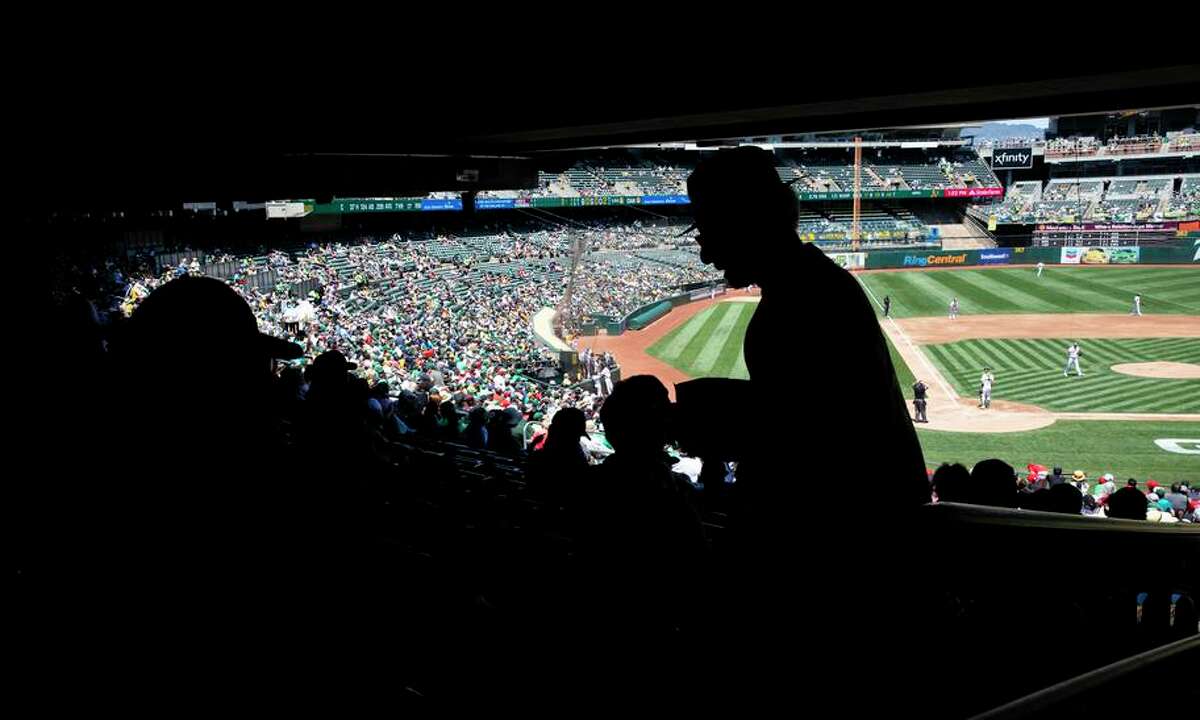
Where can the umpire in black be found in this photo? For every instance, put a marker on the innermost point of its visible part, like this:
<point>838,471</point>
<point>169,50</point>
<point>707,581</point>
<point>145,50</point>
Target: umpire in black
<point>919,399</point>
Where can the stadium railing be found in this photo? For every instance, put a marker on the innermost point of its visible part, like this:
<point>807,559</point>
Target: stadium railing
<point>1105,692</point>
<point>1040,598</point>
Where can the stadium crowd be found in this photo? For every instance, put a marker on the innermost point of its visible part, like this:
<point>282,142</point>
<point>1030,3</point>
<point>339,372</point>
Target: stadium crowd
<point>448,319</point>
<point>996,483</point>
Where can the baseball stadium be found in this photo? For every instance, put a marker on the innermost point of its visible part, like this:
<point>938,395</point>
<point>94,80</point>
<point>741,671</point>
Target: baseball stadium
<point>524,404</point>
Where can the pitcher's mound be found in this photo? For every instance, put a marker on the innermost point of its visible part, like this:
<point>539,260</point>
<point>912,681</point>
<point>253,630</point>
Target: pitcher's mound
<point>1169,370</point>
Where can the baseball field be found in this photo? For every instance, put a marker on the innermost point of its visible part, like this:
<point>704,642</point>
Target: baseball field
<point>1135,411</point>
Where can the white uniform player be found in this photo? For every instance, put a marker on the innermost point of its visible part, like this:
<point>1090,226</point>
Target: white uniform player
<point>1137,306</point>
<point>986,380</point>
<point>953,308</point>
<point>1041,266</point>
<point>1073,354</point>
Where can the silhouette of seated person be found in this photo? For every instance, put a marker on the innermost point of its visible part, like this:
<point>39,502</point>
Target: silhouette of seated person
<point>1065,499</point>
<point>641,538</point>
<point>814,335</point>
<point>334,439</point>
<point>993,483</point>
<point>202,525</point>
<point>447,425</point>
<point>289,392</point>
<point>501,432</point>
<point>1128,503</point>
<point>556,471</point>
<point>476,434</point>
<point>952,483</point>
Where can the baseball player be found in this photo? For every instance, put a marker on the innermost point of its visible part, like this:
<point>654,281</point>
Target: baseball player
<point>1137,306</point>
<point>953,308</point>
<point>986,380</point>
<point>1073,355</point>
<point>919,399</point>
<point>887,305</point>
<point>1040,267</point>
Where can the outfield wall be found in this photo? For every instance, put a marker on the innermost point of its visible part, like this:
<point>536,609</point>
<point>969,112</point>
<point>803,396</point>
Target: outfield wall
<point>1182,253</point>
<point>648,313</point>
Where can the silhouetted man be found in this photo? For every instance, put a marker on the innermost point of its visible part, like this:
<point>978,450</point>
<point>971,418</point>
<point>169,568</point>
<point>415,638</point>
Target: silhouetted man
<point>746,220</point>
<point>816,337</point>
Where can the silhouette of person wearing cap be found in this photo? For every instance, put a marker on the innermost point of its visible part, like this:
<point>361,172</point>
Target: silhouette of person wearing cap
<point>191,508</point>
<point>814,336</point>
<point>746,219</point>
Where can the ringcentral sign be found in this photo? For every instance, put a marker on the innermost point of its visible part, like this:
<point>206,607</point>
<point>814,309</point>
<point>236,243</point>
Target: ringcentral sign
<point>927,260</point>
<point>1012,159</point>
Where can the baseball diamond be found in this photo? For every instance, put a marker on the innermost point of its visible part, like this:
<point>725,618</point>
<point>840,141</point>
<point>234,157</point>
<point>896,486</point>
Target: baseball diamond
<point>1020,326</point>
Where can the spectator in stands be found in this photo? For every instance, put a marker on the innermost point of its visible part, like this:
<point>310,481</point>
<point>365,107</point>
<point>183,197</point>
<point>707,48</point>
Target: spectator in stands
<point>1056,477</point>
<point>642,534</point>
<point>1178,500</point>
<point>502,425</point>
<point>448,421</point>
<point>556,470</point>
<point>476,434</point>
<point>206,493</point>
<point>993,483</point>
<point>1065,499</point>
<point>1127,504</point>
<point>952,483</point>
<point>1160,500</point>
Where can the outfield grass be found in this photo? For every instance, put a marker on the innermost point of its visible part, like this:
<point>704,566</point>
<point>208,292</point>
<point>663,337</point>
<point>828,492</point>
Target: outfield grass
<point>1125,449</point>
<point>709,344</point>
<point>1030,371</point>
<point>921,293</point>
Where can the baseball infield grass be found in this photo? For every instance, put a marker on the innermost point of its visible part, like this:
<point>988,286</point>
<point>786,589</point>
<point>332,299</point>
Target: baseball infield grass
<point>922,293</point>
<point>1030,371</point>
<point>1126,449</point>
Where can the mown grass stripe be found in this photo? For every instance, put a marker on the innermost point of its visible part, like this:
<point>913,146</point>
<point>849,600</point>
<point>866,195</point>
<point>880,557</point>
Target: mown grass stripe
<point>733,347</point>
<point>719,337</point>
<point>670,348</point>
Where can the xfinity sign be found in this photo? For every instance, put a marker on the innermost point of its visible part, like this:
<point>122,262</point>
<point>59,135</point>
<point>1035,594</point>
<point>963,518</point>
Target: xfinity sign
<point>1012,159</point>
